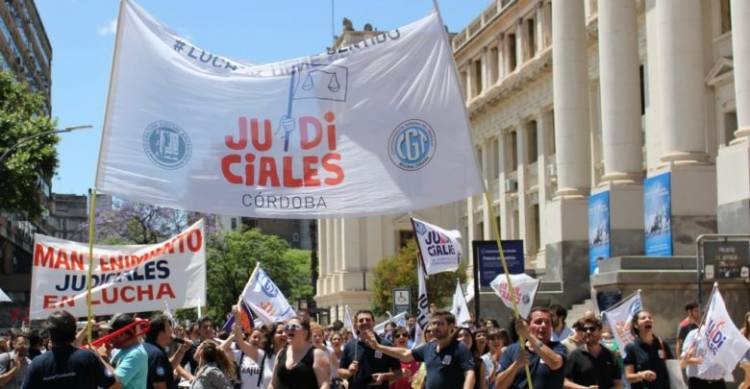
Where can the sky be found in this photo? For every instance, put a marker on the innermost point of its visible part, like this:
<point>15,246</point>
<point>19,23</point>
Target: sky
<point>82,34</point>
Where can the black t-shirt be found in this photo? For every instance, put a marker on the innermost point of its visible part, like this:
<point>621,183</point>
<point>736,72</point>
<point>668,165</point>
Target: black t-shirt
<point>684,330</point>
<point>67,367</point>
<point>445,368</point>
<point>159,368</point>
<point>649,357</point>
<point>541,375</point>
<point>370,361</point>
<point>583,368</point>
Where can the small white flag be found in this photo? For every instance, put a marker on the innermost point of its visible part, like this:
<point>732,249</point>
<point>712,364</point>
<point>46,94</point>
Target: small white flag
<point>263,296</point>
<point>440,248</point>
<point>619,319</point>
<point>399,320</point>
<point>349,323</point>
<point>423,313</point>
<point>460,309</point>
<point>524,288</point>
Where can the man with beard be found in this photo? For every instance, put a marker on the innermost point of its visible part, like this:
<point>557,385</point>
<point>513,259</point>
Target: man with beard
<point>364,367</point>
<point>645,357</point>
<point>592,365</point>
<point>545,357</point>
<point>448,362</point>
<point>13,364</point>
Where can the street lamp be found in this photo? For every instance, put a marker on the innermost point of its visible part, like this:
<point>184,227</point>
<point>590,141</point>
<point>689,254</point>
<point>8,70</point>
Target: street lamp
<point>30,137</point>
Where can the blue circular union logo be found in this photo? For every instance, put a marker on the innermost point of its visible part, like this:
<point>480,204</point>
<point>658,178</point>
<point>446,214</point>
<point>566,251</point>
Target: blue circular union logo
<point>269,289</point>
<point>167,145</point>
<point>412,144</point>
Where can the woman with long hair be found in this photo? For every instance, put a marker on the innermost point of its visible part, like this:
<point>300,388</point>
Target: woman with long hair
<point>408,370</point>
<point>467,337</point>
<point>318,341</point>
<point>274,341</point>
<point>498,340</point>
<point>645,357</point>
<point>299,364</point>
<point>214,368</point>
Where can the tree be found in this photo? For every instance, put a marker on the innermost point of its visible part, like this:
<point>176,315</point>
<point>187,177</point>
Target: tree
<point>22,114</point>
<point>400,271</point>
<point>232,257</point>
<point>135,223</point>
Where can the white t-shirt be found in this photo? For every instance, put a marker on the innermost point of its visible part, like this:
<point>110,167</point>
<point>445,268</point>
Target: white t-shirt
<point>250,371</point>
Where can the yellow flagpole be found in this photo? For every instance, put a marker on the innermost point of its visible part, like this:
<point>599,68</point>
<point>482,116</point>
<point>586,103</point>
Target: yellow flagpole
<point>89,283</point>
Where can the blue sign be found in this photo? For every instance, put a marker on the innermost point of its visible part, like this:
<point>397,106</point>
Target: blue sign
<point>605,300</point>
<point>657,209</point>
<point>488,259</point>
<point>599,230</point>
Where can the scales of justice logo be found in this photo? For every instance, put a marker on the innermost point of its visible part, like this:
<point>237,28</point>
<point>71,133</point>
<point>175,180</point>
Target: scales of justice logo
<point>167,145</point>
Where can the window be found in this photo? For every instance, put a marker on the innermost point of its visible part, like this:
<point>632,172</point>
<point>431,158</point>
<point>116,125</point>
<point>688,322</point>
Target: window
<point>516,224</point>
<point>642,76</point>
<point>531,146</point>
<point>478,82</point>
<point>551,135</point>
<point>480,158</point>
<point>537,230</point>
<point>726,16</point>
<point>512,151</point>
<point>730,126</point>
<point>492,63</point>
<point>531,37</point>
<point>404,236</point>
<point>234,224</point>
<point>479,232</point>
<point>511,38</point>
<point>496,157</point>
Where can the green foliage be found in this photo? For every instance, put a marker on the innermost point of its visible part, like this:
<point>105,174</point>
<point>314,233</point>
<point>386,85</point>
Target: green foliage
<point>232,256</point>
<point>401,272</point>
<point>22,114</point>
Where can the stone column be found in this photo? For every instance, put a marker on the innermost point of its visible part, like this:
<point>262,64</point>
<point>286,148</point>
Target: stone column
<point>680,66</point>
<point>741,54</point>
<point>620,94</point>
<point>733,162</point>
<point>500,57</point>
<point>322,255</point>
<point>485,62</point>
<point>570,89</point>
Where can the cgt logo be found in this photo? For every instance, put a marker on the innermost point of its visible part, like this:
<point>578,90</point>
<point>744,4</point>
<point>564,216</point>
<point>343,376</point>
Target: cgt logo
<point>167,145</point>
<point>412,145</point>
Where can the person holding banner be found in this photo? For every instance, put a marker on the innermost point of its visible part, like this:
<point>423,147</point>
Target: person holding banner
<point>545,357</point>
<point>129,359</point>
<point>300,365</point>
<point>691,357</point>
<point>64,366</point>
<point>448,362</point>
<point>645,365</point>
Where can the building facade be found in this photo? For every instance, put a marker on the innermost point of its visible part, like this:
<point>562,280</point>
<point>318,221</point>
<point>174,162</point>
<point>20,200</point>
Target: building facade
<point>572,99</point>
<point>25,51</point>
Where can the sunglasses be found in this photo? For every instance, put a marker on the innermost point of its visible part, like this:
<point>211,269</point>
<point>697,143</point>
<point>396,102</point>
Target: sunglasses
<point>402,335</point>
<point>589,329</point>
<point>292,327</point>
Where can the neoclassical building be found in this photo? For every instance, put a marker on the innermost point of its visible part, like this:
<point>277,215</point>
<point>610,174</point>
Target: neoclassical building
<point>574,98</point>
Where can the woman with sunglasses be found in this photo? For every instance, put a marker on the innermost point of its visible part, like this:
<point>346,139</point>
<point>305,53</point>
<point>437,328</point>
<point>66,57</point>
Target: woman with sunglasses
<point>300,365</point>
<point>408,370</point>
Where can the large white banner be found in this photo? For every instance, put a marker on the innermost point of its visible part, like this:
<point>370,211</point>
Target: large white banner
<point>377,127</point>
<point>131,278</point>
<point>265,298</point>
<point>440,249</point>
<point>619,319</point>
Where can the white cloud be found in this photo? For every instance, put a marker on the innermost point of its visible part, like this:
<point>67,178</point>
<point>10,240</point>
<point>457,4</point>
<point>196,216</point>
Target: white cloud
<point>108,29</point>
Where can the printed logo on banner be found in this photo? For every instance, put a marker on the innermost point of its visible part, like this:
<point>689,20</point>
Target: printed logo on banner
<point>269,288</point>
<point>167,145</point>
<point>412,145</point>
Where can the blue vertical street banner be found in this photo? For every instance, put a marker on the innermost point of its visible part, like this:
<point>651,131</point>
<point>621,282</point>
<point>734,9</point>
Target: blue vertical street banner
<point>487,257</point>
<point>599,230</point>
<point>657,209</point>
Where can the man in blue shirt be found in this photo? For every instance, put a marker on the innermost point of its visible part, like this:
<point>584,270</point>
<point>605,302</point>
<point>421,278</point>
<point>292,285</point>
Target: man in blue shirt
<point>449,363</point>
<point>129,359</point>
<point>545,357</point>
<point>65,366</point>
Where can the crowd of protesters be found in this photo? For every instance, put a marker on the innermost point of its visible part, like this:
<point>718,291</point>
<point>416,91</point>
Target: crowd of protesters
<point>300,354</point>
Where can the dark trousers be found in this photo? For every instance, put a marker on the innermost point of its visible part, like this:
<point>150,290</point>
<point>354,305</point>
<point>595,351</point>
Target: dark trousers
<point>697,383</point>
